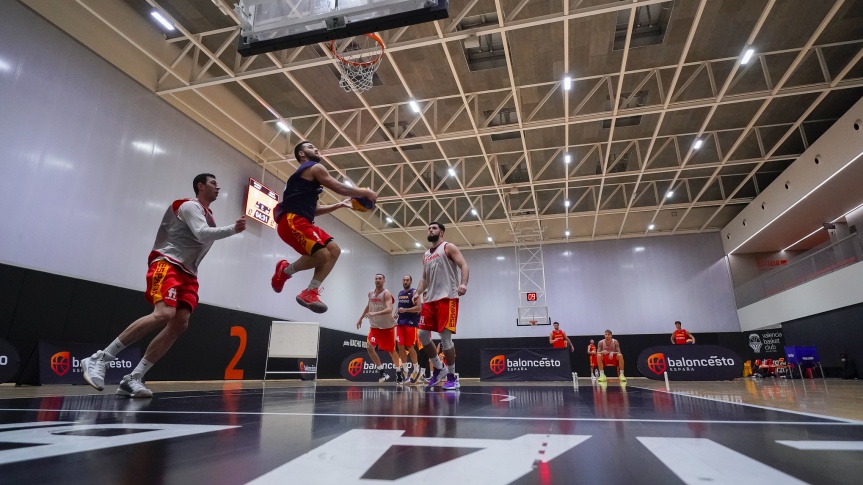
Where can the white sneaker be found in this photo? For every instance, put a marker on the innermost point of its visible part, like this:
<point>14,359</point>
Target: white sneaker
<point>94,370</point>
<point>131,386</point>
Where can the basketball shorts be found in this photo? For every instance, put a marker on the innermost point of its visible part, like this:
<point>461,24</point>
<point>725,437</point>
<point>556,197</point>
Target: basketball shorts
<point>383,338</point>
<point>302,235</point>
<point>439,315</point>
<point>593,361</point>
<point>406,335</point>
<point>168,283</point>
<point>609,359</point>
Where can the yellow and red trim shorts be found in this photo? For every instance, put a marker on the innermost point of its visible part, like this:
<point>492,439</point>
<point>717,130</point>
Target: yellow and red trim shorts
<point>168,283</point>
<point>302,235</point>
<point>439,315</point>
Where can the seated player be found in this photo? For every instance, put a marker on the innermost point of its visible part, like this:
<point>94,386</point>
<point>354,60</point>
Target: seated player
<point>609,349</point>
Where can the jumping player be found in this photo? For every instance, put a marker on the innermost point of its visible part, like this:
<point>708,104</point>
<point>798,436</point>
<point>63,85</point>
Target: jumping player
<point>408,317</point>
<point>558,338</point>
<point>185,235</point>
<point>609,348</point>
<point>681,336</point>
<point>295,217</point>
<point>379,311</point>
<point>441,266</point>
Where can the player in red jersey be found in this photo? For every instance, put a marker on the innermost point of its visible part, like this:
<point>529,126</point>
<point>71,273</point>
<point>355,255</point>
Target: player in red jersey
<point>558,338</point>
<point>591,351</point>
<point>681,336</point>
<point>609,349</point>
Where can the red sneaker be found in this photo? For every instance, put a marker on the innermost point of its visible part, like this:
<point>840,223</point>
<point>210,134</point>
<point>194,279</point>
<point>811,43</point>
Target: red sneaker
<point>279,277</point>
<point>309,299</point>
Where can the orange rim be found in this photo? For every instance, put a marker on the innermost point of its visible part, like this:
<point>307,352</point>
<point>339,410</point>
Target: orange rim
<point>367,63</point>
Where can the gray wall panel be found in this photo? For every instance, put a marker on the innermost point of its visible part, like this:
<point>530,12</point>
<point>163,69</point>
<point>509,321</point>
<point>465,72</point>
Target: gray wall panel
<point>90,160</point>
<point>632,286</point>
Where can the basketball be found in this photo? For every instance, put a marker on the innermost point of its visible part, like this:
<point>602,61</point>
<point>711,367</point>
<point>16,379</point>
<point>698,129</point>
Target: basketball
<point>362,204</point>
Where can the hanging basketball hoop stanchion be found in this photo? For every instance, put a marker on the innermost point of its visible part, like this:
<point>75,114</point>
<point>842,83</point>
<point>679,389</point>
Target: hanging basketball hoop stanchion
<point>358,62</point>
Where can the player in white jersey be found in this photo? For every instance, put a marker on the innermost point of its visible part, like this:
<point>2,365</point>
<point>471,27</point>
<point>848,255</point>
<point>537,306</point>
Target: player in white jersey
<point>185,235</point>
<point>443,285</point>
<point>379,311</point>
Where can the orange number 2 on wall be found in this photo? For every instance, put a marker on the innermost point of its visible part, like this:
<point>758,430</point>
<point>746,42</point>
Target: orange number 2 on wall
<point>231,372</point>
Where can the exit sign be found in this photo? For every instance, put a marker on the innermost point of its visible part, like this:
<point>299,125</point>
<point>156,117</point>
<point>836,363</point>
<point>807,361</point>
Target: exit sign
<point>531,297</point>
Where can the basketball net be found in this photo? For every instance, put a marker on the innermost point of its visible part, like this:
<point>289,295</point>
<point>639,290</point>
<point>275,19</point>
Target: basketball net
<point>358,62</point>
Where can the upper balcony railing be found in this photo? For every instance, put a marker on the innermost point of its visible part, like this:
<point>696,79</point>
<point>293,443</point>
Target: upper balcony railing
<point>843,253</point>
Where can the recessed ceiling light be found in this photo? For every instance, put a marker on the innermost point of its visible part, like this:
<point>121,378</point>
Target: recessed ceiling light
<point>473,211</point>
<point>451,172</point>
<point>282,126</point>
<point>698,143</point>
<point>418,245</point>
<point>490,239</point>
<point>567,83</point>
<point>162,20</point>
<point>638,249</point>
<point>747,55</point>
<point>650,227</point>
<point>566,203</point>
<point>669,194</point>
<point>414,106</point>
<point>566,233</point>
<point>389,220</point>
<point>567,158</point>
<point>500,258</point>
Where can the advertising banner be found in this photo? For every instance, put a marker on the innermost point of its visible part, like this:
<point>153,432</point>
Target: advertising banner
<point>358,367</point>
<point>9,361</point>
<point>525,365</point>
<point>60,362</point>
<point>766,344</point>
<point>690,363</point>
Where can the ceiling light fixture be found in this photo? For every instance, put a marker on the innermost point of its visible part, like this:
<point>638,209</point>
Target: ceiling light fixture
<point>566,233</point>
<point>567,83</point>
<point>567,158</point>
<point>451,172</point>
<point>348,183</point>
<point>669,194</point>
<point>816,230</point>
<point>473,211</point>
<point>799,201</point>
<point>566,203</point>
<point>414,106</point>
<point>697,144</point>
<point>747,55</point>
<point>162,20</point>
<point>389,220</point>
<point>418,245</point>
<point>650,227</point>
<point>490,239</point>
<point>282,126</point>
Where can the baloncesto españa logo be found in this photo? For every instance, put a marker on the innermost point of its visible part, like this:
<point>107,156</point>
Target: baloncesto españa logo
<point>656,363</point>
<point>499,363</point>
<point>62,362</point>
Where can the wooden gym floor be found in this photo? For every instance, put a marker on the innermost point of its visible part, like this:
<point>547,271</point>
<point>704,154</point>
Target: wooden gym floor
<point>746,431</point>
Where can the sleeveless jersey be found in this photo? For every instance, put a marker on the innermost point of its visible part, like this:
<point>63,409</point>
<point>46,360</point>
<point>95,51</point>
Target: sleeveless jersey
<point>614,347</point>
<point>591,348</point>
<point>377,304</point>
<point>406,300</point>
<point>440,274</point>
<point>301,195</point>
<point>558,344</point>
<point>679,337</point>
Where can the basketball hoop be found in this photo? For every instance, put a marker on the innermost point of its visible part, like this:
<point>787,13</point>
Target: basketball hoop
<point>358,62</point>
<point>533,322</point>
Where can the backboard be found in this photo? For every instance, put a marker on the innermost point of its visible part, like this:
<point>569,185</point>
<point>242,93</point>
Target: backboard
<point>270,25</point>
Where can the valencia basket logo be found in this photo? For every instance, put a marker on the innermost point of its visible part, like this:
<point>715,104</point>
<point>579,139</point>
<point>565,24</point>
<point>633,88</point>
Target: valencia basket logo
<point>656,363</point>
<point>497,364</point>
<point>60,363</point>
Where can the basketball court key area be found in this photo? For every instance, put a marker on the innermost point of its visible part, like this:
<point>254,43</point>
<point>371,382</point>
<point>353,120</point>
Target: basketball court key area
<point>237,433</point>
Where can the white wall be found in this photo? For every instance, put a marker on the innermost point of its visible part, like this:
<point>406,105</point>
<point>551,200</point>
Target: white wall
<point>592,286</point>
<point>90,160</point>
<point>829,292</point>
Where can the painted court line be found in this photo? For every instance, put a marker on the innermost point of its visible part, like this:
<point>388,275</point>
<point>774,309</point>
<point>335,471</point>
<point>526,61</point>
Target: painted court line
<point>426,416</point>
<point>823,445</point>
<point>758,406</point>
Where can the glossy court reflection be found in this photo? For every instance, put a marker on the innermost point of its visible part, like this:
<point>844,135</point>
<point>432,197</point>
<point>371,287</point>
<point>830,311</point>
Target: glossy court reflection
<point>382,434</point>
